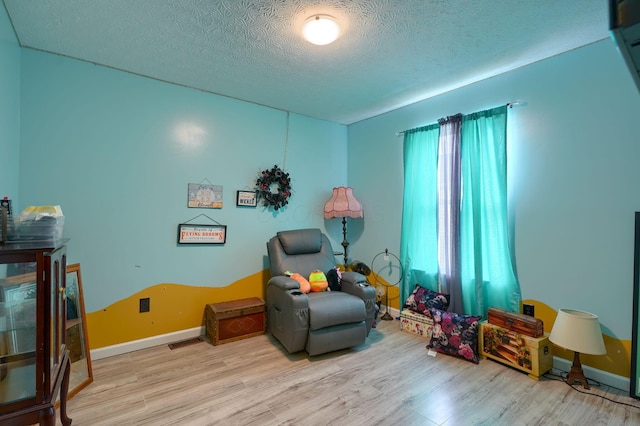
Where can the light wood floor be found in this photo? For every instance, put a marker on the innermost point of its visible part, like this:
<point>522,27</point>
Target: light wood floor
<point>390,380</point>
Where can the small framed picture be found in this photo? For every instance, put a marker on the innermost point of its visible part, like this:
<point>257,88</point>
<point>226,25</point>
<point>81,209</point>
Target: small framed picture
<point>201,234</point>
<point>205,196</point>
<point>246,199</point>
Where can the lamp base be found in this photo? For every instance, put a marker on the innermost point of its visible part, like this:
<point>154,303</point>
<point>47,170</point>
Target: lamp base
<point>386,317</point>
<point>576,374</point>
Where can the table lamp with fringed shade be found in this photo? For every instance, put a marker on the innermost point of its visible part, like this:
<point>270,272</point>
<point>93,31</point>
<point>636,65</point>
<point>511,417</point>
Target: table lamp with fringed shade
<point>578,331</point>
<point>343,204</point>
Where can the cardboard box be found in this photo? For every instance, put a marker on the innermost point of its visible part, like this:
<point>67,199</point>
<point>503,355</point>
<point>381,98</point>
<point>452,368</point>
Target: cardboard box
<point>416,323</point>
<point>238,319</point>
<point>529,354</point>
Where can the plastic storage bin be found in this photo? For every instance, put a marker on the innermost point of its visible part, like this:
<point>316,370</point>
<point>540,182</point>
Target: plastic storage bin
<point>45,228</point>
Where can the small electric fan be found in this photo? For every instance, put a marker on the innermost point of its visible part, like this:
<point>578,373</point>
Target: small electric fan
<point>386,262</point>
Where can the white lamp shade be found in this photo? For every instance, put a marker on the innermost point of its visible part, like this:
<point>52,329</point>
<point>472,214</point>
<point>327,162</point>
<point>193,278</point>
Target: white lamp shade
<point>321,30</point>
<point>578,331</point>
<point>342,204</point>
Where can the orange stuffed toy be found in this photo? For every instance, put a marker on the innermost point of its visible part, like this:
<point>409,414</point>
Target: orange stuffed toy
<point>305,287</point>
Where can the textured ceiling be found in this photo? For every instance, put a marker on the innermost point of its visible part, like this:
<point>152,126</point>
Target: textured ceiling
<point>391,52</point>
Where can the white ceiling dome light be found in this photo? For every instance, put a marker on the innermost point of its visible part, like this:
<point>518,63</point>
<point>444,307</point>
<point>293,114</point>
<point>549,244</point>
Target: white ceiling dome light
<point>321,29</point>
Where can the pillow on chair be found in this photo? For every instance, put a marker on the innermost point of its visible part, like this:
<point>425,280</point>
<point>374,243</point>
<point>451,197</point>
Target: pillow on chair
<point>334,278</point>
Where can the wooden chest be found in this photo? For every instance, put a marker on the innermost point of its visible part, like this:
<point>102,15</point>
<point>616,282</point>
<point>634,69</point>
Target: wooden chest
<point>238,319</point>
<point>523,324</point>
<point>416,323</point>
<point>529,354</point>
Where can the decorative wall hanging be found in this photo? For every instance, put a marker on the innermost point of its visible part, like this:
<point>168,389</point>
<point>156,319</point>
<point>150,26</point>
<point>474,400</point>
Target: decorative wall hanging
<point>191,233</point>
<point>274,187</point>
<point>205,195</point>
<point>246,199</point>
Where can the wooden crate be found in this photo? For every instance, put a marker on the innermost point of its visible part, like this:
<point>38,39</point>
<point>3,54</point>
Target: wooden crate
<point>529,354</point>
<point>238,319</point>
<point>523,324</point>
<point>416,323</point>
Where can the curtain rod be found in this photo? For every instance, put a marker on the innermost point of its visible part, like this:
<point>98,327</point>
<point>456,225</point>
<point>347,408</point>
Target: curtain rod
<point>509,104</point>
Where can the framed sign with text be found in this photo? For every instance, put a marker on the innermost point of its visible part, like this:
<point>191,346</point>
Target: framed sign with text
<point>246,199</point>
<point>201,234</point>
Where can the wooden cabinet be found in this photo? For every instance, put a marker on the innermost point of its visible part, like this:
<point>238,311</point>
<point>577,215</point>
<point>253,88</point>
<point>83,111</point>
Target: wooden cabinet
<point>34,362</point>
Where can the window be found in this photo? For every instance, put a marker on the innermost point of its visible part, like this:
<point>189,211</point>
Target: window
<point>466,235</point>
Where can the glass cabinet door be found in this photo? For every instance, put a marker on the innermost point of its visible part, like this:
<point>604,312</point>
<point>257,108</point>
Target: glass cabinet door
<point>18,316</point>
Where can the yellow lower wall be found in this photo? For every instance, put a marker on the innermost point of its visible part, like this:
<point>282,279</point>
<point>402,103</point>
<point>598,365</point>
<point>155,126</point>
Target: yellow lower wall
<point>176,307</point>
<point>173,307</point>
<point>387,293</point>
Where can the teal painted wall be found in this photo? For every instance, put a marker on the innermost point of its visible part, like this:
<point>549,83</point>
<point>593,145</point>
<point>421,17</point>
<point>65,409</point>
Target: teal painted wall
<point>116,151</point>
<point>9,108</point>
<point>573,174</point>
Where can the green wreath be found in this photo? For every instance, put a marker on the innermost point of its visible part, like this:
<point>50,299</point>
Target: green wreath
<point>266,180</point>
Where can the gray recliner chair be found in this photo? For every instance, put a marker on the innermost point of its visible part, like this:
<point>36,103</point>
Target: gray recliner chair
<point>317,322</point>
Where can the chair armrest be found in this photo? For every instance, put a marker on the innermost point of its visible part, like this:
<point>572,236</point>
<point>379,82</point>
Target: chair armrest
<point>287,312</point>
<point>284,282</point>
<point>353,277</point>
<point>356,284</point>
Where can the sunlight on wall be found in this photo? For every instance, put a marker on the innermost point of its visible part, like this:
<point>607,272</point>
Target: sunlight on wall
<point>189,135</point>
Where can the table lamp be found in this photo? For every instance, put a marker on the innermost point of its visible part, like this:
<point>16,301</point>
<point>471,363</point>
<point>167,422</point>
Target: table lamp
<point>578,331</point>
<point>343,204</point>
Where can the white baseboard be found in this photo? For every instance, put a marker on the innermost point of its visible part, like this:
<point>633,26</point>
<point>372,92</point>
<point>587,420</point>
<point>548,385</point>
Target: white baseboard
<point>164,339</point>
<point>604,377</point>
<point>148,342</point>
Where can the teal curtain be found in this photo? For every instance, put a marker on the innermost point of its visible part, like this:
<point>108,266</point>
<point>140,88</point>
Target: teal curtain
<point>484,273</point>
<point>419,240</point>
<point>487,273</point>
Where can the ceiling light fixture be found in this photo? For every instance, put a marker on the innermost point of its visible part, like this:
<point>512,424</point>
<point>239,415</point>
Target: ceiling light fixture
<point>321,29</point>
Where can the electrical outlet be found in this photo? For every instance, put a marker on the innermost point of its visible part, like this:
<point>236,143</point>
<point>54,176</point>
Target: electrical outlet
<point>528,310</point>
<point>144,305</point>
